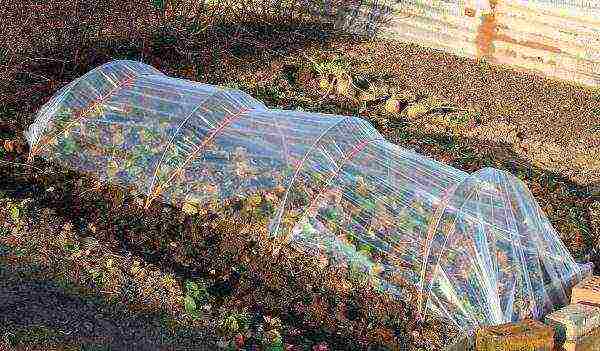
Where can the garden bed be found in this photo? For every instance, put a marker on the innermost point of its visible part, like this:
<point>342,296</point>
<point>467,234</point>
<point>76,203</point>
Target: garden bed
<point>219,250</point>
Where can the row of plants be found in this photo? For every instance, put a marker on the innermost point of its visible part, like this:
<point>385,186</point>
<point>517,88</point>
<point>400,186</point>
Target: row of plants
<point>357,207</point>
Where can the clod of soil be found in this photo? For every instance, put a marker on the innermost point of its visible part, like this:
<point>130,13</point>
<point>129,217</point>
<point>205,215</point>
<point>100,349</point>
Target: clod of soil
<point>325,84</point>
<point>393,105</point>
<point>344,87</point>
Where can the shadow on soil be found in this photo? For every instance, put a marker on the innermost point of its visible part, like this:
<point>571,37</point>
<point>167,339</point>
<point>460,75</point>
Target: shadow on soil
<point>44,302</point>
<point>42,312</point>
<point>128,225</point>
<point>48,304</point>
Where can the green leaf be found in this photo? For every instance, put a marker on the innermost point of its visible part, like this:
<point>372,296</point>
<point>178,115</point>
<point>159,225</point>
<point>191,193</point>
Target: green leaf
<point>276,346</point>
<point>191,287</point>
<point>19,252</point>
<point>69,146</point>
<point>367,204</point>
<point>197,292</point>
<point>71,247</point>
<point>195,314</point>
<point>331,214</point>
<point>159,4</point>
<point>195,28</point>
<point>189,304</point>
<point>15,213</point>
<point>365,248</point>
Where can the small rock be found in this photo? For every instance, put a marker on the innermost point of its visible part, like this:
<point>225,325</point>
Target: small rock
<point>417,110</point>
<point>393,105</point>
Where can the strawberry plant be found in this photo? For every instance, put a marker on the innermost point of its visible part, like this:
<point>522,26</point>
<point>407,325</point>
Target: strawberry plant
<point>196,295</point>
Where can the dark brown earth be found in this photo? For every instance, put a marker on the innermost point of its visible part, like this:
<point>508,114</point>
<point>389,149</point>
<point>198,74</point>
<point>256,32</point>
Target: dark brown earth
<point>541,109</point>
<point>526,124</point>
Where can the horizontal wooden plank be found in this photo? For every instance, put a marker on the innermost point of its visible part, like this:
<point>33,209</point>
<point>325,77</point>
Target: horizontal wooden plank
<point>574,320</point>
<point>540,29</point>
<point>561,41</point>
<point>587,290</point>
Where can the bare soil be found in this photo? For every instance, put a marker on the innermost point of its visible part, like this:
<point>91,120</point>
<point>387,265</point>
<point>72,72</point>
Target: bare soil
<point>526,124</point>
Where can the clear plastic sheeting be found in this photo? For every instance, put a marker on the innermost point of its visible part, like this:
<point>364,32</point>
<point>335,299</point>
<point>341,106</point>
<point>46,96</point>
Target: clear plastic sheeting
<point>475,249</point>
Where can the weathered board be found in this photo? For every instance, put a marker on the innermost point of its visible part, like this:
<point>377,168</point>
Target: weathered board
<point>527,335</point>
<point>587,290</point>
<point>574,320</point>
<point>559,39</point>
<point>588,342</point>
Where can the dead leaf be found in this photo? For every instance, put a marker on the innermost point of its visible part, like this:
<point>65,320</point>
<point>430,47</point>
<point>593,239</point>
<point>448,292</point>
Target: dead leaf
<point>393,105</point>
<point>344,86</point>
<point>325,84</point>
<point>112,168</point>
<point>190,208</point>
<point>417,110</point>
<point>9,145</point>
<point>19,147</point>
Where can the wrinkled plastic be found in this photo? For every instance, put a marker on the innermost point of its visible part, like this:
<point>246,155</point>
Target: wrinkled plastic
<point>475,249</point>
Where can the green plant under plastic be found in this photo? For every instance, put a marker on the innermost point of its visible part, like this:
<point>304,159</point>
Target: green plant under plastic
<point>475,248</point>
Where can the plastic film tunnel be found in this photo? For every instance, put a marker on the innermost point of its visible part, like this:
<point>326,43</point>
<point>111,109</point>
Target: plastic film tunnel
<point>475,248</point>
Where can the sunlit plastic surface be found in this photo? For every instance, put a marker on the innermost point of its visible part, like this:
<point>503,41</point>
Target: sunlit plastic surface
<point>473,248</point>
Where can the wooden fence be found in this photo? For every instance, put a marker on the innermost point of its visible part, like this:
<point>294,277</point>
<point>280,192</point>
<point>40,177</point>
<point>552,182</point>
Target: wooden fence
<point>559,39</point>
